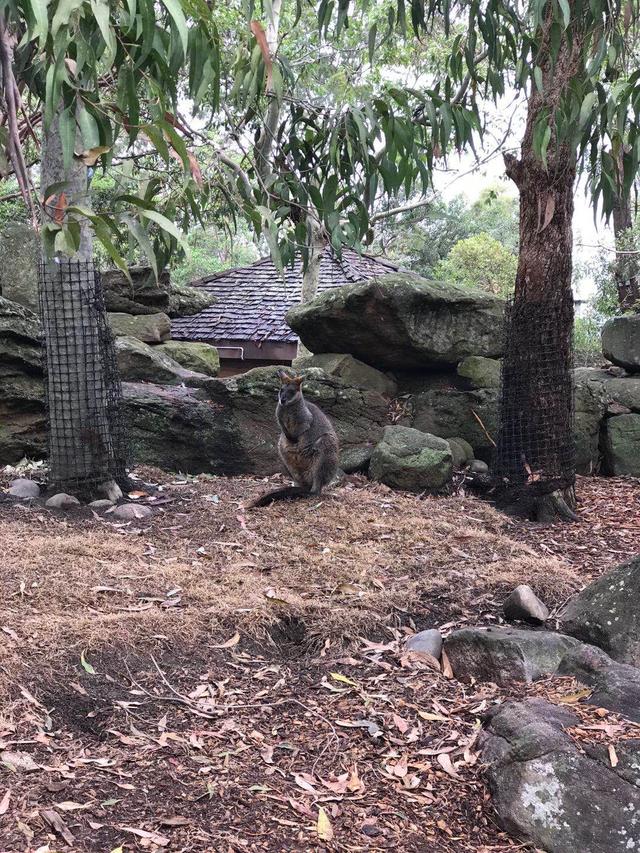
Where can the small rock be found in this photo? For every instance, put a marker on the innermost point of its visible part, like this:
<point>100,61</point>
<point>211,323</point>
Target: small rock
<point>103,503</point>
<point>111,490</point>
<point>477,466</point>
<point>62,501</point>
<point>18,761</point>
<point>24,489</point>
<point>131,512</point>
<point>429,642</point>
<point>524,605</point>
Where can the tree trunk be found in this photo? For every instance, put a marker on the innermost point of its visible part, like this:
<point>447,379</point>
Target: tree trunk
<point>311,276</point>
<point>81,452</point>
<point>535,453</point>
<point>626,267</point>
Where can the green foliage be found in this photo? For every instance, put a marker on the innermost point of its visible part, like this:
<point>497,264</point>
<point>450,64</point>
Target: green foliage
<point>212,251</point>
<point>587,347</point>
<point>12,206</point>
<point>607,263</point>
<point>480,261</point>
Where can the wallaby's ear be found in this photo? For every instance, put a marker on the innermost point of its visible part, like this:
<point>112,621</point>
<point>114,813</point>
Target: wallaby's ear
<point>297,380</point>
<point>284,376</point>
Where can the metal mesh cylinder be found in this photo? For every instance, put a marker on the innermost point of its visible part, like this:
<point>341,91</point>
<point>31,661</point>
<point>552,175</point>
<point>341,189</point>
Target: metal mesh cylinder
<point>86,437</point>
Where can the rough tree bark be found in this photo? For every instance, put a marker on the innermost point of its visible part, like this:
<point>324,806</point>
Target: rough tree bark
<point>80,448</point>
<point>535,442</point>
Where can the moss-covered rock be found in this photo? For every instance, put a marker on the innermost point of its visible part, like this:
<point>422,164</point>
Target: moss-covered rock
<point>622,445</point>
<point>411,460</point>
<point>185,301</point>
<point>621,341</point>
<point>480,372</point>
<point>353,371</point>
<point>142,295</point>
<point>402,321</point>
<point>139,362</point>
<point>192,355</point>
<point>148,328</point>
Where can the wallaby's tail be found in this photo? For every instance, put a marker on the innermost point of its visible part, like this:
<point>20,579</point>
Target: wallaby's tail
<point>290,493</point>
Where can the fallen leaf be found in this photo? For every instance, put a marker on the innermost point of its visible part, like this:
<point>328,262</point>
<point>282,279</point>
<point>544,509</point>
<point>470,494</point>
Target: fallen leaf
<point>400,724</point>
<point>70,806</point>
<point>613,755</point>
<point>572,698</point>
<point>86,665</point>
<point>4,802</point>
<point>428,715</point>
<point>55,822</point>
<point>337,676</point>
<point>229,643</point>
<point>301,782</point>
<point>325,830</point>
<point>446,666</point>
<point>18,761</point>
<point>445,762</point>
<point>174,821</point>
<point>155,837</point>
<point>267,754</point>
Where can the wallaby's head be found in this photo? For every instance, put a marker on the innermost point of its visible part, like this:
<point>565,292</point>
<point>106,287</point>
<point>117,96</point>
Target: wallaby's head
<point>291,388</point>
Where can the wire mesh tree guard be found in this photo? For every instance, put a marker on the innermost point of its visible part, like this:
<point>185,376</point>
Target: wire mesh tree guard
<point>535,453</point>
<point>86,434</point>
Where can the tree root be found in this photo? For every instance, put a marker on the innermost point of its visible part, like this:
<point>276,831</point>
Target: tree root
<point>556,506</point>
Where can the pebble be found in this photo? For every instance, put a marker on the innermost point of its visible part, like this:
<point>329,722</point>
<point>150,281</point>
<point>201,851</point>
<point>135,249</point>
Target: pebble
<point>524,605</point>
<point>429,641</point>
<point>24,489</point>
<point>62,501</point>
<point>131,512</point>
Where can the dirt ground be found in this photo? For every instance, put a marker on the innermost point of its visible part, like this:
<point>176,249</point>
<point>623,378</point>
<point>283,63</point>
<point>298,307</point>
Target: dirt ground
<point>222,679</point>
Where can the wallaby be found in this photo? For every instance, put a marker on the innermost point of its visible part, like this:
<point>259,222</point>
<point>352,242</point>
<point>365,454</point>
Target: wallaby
<point>308,444</point>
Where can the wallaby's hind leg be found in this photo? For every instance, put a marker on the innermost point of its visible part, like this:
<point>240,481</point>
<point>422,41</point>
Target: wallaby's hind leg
<point>324,467</point>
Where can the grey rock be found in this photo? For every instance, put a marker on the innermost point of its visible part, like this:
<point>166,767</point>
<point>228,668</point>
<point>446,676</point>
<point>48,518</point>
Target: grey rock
<point>428,642</point>
<point>111,490</point>
<point>525,606</point>
<point>480,372</point>
<point>458,453</point>
<point>402,321</point>
<point>352,371</point>
<point>449,413</point>
<point>606,613</point>
<point>547,791</point>
<point>625,391</point>
<point>412,460</point>
<point>185,301</point>
<point>131,512</point>
<point>621,341</point>
<point>193,355</point>
<point>139,362</point>
<point>505,655</point>
<point>142,295</point>
<point>477,466</point>
<point>228,426</point>
<point>62,501</point>
<point>24,489</point>
<point>20,250</point>
<point>590,402</point>
<point>616,685</point>
<point>149,328</point>
<point>101,503</point>
<point>356,459</point>
<point>622,445</point>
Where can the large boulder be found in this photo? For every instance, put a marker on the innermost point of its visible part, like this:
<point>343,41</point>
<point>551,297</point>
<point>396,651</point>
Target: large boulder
<point>229,427</point>
<point>505,655</point>
<point>622,445</point>
<point>412,460</point>
<point>139,362</point>
<point>20,250</point>
<point>561,796</point>
<point>201,358</point>
<point>606,613</point>
<point>480,372</point>
<point>185,301</point>
<point>22,418</point>
<point>590,400</point>
<point>402,321</point>
<point>142,295</point>
<point>621,341</point>
<point>149,328</point>
<point>451,413</point>
<point>623,390</point>
<point>616,686</point>
<point>353,372</point>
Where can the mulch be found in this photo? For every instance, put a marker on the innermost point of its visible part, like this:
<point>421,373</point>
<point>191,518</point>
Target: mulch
<point>297,722</point>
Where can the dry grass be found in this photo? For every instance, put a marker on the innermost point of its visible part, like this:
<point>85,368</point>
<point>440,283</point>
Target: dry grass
<point>220,742</point>
<point>361,559</point>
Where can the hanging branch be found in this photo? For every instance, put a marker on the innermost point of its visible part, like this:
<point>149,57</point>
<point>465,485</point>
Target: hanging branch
<point>13,103</point>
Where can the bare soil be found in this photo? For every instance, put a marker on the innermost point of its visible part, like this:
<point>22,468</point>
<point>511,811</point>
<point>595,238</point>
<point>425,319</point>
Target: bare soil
<point>222,679</point>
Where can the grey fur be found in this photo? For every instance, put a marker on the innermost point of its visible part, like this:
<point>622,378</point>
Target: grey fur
<point>308,445</point>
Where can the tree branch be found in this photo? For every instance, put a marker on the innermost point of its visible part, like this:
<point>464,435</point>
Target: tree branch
<point>403,208</point>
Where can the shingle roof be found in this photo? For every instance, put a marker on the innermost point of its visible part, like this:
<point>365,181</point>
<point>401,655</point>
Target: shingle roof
<point>251,302</point>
